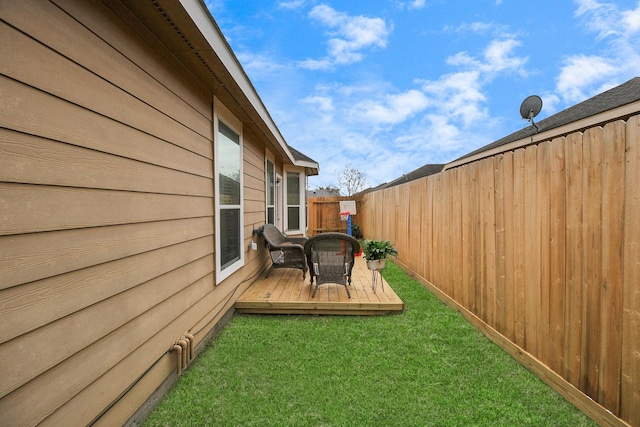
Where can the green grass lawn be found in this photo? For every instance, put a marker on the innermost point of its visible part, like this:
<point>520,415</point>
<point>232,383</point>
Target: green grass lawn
<point>424,367</point>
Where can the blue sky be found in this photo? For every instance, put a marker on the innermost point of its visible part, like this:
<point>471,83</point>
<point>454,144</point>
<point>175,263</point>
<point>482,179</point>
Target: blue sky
<point>386,86</point>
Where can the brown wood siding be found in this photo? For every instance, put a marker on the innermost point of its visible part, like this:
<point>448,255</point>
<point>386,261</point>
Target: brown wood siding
<point>539,248</point>
<point>106,213</point>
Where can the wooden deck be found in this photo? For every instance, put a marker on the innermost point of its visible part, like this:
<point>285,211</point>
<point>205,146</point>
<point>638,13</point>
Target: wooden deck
<point>284,292</point>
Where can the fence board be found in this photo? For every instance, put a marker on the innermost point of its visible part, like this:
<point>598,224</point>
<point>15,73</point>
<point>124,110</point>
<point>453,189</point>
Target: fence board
<point>519,254</point>
<point>510,244</point>
<point>447,226</point>
<point>591,278</point>
<point>573,281</point>
<point>612,248</point>
<point>543,184</point>
<point>416,241</point>
<point>475,244</point>
<point>531,252</point>
<point>456,234</point>
<point>488,240</point>
<point>324,215</point>
<point>467,236</point>
<point>630,399</point>
<point>436,205</point>
<point>557,265</point>
<point>500,244</point>
<point>404,220</point>
<point>427,226</point>
<point>548,242</point>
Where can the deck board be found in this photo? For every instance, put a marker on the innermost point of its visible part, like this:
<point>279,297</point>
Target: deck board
<point>284,292</point>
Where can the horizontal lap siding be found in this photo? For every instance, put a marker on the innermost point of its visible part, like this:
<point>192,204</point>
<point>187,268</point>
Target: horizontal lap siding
<point>106,223</point>
<point>255,202</point>
<point>541,245</point>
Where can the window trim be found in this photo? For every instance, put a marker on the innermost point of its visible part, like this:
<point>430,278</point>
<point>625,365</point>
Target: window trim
<point>301,203</point>
<point>221,113</point>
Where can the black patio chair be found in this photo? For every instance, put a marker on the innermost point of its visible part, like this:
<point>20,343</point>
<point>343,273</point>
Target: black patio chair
<point>330,257</point>
<point>286,252</point>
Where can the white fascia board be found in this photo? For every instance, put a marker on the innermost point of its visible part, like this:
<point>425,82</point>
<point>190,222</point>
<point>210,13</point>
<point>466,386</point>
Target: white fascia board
<point>201,16</point>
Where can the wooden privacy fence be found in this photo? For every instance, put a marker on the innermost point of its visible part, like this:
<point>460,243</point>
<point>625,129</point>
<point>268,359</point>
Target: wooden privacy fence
<point>540,247</point>
<point>324,215</point>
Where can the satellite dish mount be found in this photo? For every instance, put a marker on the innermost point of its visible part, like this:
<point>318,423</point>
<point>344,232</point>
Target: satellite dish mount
<point>530,108</point>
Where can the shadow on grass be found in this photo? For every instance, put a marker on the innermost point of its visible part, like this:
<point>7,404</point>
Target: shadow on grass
<point>424,367</point>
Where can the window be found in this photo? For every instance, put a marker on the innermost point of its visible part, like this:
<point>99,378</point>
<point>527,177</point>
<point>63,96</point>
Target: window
<point>271,192</point>
<point>229,210</point>
<point>293,201</point>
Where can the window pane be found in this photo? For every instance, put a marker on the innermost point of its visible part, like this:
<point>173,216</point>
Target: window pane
<point>293,218</point>
<point>229,236</point>
<point>228,165</point>
<point>271,216</point>
<point>271,190</point>
<point>293,188</point>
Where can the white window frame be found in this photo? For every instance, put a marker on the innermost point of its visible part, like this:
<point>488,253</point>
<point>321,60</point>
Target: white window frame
<point>221,113</point>
<point>302,198</point>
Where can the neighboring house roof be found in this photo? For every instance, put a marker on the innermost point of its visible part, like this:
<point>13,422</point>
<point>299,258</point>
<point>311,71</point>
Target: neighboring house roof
<point>194,38</point>
<point>319,193</point>
<point>580,116</point>
<point>625,97</point>
<point>421,172</point>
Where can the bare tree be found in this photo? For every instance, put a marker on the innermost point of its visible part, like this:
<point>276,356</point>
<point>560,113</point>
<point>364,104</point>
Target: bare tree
<point>351,181</point>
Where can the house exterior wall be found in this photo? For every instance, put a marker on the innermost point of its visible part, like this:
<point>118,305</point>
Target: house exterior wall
<point>106,214</point>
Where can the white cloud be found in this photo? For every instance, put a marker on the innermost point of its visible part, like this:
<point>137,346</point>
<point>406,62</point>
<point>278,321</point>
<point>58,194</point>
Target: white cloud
<point>580,73</point>
<point>411,5</point>
<point>258,65</point>
<point>214,6</point>
<point>458,97</point>
<point>480,27</point>
<point>599,16</point>
<point>322,105</point>
<point>551,103</point>
<point>294,4</point>
<point>349,36</point>
<point>498,57</point>
<point>631,20</point>
<point>584,75</point>
<point>393,109</point>
<point>316,64</point>
<point>433,123</point>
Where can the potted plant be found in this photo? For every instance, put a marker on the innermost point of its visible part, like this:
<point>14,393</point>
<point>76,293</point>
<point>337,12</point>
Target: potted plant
<point>376,252</point>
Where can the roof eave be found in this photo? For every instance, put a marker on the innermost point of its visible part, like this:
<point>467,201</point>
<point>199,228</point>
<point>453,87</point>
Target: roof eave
<point>202,19</point>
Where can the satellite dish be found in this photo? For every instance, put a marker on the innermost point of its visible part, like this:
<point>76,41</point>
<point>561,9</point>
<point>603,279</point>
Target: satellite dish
<point>530,108</point>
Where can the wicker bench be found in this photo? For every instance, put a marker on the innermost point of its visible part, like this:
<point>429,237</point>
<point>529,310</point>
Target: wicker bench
<point>286,252</point>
